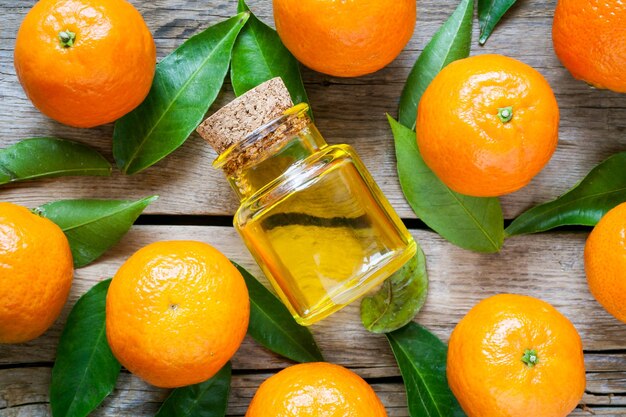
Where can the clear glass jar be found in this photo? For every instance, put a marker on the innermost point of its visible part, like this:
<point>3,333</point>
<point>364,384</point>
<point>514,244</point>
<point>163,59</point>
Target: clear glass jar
<point>312,216</point>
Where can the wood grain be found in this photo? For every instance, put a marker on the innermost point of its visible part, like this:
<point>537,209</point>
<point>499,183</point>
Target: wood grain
<point>548,266</point>
<point>347,110</point>
<point>26,394</point>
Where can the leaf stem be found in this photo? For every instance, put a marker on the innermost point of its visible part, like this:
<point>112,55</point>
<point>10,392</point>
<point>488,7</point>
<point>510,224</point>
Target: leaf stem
<point>67,38</point>
<point>530,357</point>
<point>505,114</point>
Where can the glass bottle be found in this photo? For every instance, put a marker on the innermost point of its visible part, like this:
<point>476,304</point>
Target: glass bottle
<point>311,214</point>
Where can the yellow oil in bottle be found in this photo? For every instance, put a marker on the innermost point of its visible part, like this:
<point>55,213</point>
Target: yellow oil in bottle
<point>327,237</point>
<point>310,214</point>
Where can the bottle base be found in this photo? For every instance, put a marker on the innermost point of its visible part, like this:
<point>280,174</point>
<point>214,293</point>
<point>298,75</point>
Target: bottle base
<point>357,287</point>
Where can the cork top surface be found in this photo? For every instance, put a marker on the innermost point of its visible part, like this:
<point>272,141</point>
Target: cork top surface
<point>242,116</point>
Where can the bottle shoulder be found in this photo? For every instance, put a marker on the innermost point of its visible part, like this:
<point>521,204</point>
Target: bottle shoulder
<point>301,176</point>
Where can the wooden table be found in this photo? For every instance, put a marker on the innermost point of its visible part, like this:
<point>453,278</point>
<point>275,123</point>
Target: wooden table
<point>196,203</point>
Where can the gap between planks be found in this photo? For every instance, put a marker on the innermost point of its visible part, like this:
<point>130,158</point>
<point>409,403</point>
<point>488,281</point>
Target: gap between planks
<point>28,390</point>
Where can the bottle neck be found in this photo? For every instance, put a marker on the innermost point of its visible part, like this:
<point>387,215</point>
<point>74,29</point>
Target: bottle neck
<point>271,152</point>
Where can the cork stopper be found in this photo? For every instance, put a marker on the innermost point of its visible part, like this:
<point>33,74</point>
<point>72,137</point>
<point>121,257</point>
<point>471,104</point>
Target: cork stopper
<point>242,116</point>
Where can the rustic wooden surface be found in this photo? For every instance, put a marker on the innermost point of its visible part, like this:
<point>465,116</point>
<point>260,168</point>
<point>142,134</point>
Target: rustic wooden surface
<point>196,203</point>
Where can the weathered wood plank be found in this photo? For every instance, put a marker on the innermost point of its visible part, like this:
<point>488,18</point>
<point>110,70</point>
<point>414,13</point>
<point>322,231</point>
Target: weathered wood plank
<point>548,266</point>
<point>25,392</point>
<point>591,129</point>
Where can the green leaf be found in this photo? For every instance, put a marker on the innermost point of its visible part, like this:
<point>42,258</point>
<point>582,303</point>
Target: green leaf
<point>469,222</point>
<point>398,301</point>
<point>421,357</point>
<point>185,85</point>
<point>85,370</point>
<point>207,399</point>
<point>451,42</point>
<point>93,226</point>
<point>259,55</point>
<point>48,157</point>
<point>274,327</point>
<point>584,205</point>
<point>489,14</point>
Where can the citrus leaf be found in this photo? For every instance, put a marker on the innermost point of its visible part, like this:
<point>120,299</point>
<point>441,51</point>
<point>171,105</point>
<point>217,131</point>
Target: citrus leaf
<point>489,14</point>
<point>185,85</point>
<point>85,370</point>
<point>421,357</point>
<point>259,55</point>
<point>451,42</point>
<point>93,226</point>
<point>206,399</point>
<point>469,222</point>
<point>48,157</point>
<point>398,301</point>
<point>584,205</point>
<point>272,326</point>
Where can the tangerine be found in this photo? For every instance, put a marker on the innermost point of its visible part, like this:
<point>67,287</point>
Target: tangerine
<point>176,312</point>
<point>345,38</point>
<point>516,356</point>
<point>85,63</point>
<point>605,262</point>
<point>315,389</point>
<point>486,125</point>
<point>36,274</point>
<point>588,37</point>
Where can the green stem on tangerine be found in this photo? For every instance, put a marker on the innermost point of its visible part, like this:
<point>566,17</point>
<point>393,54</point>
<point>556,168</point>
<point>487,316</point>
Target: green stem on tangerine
<point>530,357</point>
<point>67,38</point>
<point>505,114</point>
